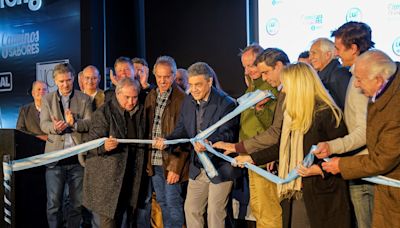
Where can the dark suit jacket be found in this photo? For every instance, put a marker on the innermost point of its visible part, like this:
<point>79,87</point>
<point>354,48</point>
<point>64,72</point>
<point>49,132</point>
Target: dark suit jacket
<point>218,105</point>
<point>104,173</point>
<point>28,120</point>
<point>336,78</point>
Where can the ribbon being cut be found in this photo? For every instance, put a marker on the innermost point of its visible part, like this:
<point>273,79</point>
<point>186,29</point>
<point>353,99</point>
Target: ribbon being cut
<point>246,101</point>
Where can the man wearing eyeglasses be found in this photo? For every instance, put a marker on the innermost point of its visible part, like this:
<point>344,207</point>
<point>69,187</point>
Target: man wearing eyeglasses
<point>91,80</point>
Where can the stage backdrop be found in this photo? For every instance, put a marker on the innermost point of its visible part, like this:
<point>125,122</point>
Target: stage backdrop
<point>292,24</point>
<point>34,36</point>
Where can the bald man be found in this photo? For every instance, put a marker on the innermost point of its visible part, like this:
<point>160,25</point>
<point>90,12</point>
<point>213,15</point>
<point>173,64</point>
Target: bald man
<point>28,118</point>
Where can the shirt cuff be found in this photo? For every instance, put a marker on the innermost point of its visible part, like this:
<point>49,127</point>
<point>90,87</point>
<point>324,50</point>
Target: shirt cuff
<point>239,147</point>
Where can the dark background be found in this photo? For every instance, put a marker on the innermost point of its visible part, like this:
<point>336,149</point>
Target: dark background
<point>189,31</point>
<point>58,24</point>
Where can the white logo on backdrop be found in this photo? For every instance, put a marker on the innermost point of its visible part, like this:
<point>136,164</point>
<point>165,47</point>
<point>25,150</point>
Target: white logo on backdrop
<point>272,26</point>
<point>354,14</point>
<point>396,46</point>
<point>6,81</point>
<point>44,72</point>
<point>19,44</point>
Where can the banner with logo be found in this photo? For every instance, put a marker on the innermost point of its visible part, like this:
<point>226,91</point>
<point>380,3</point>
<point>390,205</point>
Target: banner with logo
<point>292,25</point>
<point>35,35</point>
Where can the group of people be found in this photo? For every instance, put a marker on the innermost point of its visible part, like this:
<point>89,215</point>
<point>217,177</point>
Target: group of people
<point>348,109</point>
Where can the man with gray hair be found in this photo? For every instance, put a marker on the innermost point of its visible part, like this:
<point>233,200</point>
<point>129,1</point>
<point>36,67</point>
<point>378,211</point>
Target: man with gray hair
<point>204,107</point>
<point>181,79</point>
<point>167,170</point>
<point>379,79</point>
<point>114,171</point>
<point>28,118</point>
<point>334,77</point>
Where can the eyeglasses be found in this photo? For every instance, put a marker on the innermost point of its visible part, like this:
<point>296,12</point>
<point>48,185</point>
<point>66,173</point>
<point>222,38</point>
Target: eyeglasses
<point>90,79</point>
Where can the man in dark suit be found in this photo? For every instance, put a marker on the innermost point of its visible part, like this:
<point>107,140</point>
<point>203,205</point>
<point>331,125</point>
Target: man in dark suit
<point>113,174</point>
<point>204,107</point>
<point>333,75</point>
<point>28,118</point>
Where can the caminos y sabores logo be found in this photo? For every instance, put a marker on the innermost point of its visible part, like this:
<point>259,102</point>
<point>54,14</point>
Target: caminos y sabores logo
<point>21,44</point>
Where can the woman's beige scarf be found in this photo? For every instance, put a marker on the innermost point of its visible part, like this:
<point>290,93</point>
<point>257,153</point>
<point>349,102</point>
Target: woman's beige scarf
<point>290,155</point>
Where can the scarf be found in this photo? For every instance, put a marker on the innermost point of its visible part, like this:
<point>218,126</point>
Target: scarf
<point>290,155</point>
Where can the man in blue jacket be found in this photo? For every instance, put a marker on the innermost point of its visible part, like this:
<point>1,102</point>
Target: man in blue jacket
<point>204,107</point>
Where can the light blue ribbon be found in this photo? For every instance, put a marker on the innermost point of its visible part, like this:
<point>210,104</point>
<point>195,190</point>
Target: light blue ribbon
<point>47,158</point>
<point>245,101</point>
<point>150,141</point>
<point>379,179</point>
<point>307,162</point>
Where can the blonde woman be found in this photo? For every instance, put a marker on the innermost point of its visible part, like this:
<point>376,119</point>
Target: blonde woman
<point>316,199</point>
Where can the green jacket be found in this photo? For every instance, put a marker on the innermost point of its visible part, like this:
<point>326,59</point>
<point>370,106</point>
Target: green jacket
<point>253,122</point>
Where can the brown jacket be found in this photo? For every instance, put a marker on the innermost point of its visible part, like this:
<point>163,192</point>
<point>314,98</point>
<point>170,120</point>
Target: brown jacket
<point>383,143</point>
<point>177,160</point>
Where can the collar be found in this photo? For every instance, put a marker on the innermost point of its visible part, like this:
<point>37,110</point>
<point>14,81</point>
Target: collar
<point>166,93</point>
<point>131,113</point>
<point>205,99</point>
<point>37,107</point>
<point>328,68</point>
<point>279,88</point>
<point>257,82</point>
<point>92,95</point>
<point>70,95</point>
<point>382,89</point>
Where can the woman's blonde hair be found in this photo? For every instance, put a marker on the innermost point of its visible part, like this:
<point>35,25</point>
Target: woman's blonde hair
<point>305,95</point>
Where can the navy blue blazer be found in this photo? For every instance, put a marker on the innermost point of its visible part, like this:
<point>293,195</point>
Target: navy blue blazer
<point>336,79</point>
<point>219,104</point>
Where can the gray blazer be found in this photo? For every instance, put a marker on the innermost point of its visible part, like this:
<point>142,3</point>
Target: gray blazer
<point>81,107</point>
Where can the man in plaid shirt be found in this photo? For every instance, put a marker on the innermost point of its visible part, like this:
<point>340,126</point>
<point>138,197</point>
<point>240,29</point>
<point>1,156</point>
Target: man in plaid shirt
<point>167,169</point>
